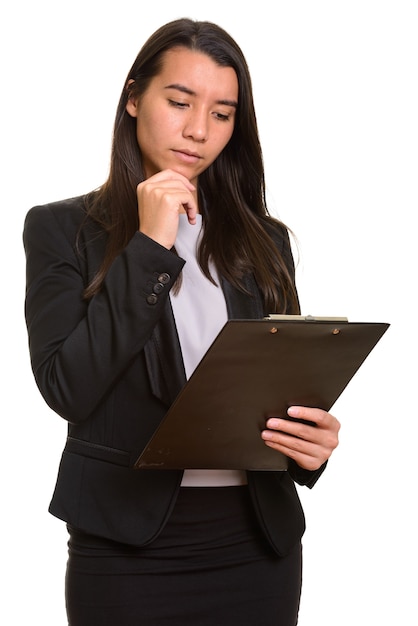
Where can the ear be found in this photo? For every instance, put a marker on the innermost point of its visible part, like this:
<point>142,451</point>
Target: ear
<point>132,103</point>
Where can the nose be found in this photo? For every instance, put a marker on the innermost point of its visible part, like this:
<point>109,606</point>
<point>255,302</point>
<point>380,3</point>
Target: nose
<point>196,126</point>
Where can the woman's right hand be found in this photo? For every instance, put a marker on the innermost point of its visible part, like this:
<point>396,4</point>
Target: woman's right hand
<point>161,198</point>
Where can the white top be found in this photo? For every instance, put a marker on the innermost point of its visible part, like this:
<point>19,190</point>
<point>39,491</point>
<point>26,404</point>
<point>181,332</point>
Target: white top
<point>200,313</point>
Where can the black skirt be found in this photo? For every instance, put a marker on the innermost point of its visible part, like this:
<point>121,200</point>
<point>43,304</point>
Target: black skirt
<point>210,566</point>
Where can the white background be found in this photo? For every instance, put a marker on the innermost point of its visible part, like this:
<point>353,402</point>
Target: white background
<point>335,86</point>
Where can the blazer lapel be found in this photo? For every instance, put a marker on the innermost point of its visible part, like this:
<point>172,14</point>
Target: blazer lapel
<point>243,305</point>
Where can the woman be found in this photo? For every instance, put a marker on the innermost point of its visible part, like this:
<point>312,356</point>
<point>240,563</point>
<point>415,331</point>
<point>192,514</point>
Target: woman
<point>126,289</point>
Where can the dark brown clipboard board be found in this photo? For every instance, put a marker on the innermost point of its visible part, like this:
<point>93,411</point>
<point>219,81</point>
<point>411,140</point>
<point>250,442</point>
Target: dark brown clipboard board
<point>255,369</point>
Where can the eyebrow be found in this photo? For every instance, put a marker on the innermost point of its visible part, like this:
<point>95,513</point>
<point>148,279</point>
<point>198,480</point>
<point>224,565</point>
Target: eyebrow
<point>190,92</point>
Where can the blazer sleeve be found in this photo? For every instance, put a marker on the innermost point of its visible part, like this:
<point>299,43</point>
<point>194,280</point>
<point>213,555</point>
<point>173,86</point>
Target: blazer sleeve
<point>79,349</point>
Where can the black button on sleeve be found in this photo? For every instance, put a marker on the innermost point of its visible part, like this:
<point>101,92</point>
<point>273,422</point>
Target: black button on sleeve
<point>152,298</point>
<point>164,278</point>
<point>158,288</point>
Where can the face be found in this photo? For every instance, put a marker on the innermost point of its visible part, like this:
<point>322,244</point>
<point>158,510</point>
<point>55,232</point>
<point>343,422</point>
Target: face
<point>187,114</point>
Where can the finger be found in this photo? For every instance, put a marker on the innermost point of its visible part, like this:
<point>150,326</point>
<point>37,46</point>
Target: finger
<point>191,211</point>
<point>295,448</point>
<point>171,175</point>
<point>308,440</point>
<point>306,454</point>
<point>295,428</point>
<point>308,414</point>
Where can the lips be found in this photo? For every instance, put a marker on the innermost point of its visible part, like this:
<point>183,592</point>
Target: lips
<point>187,156</point>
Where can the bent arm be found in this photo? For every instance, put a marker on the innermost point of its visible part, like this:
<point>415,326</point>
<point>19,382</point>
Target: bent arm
<point>79,349</point>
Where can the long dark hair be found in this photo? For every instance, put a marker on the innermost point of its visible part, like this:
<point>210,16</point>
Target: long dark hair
<point>231,191</point>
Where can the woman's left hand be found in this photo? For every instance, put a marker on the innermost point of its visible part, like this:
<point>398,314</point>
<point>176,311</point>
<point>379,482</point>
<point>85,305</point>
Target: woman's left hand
<point>308,445</point>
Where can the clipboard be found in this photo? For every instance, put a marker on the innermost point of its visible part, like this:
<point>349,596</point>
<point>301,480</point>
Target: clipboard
<point>253,370</point>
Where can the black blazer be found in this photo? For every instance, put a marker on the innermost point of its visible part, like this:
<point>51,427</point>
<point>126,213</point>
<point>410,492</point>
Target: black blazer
<point>112,366</point>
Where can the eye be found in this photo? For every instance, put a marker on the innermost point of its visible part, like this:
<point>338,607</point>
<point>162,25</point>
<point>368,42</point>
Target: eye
<point>176,104</point>
<point>222,117</point>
